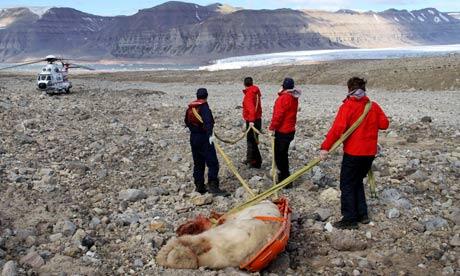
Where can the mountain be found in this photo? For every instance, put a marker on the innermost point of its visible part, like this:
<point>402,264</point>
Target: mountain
<point>189,32</point>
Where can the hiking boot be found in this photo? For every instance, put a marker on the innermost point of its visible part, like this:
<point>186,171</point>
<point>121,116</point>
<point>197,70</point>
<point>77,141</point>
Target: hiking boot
<point>364,220</point>
<point>254,165</point>
<point>200,187</point>
<point>214,189</point>
<point>282,177</point>
<point>345,224</point>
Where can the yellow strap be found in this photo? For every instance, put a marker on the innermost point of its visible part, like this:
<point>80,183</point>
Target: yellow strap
<point>197,115</point>
<point>232,142</point>
<point>303,170</point>
<point>372,183</point>
<point>233,169</point>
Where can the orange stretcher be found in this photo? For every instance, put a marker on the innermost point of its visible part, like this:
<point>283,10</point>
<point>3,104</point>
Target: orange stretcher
<point>277,244</point>
<point>268,253</point>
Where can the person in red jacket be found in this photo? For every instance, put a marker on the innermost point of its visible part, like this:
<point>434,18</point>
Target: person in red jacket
<point>359,151</point>
<point>252,114</point>
<point>283,125</point>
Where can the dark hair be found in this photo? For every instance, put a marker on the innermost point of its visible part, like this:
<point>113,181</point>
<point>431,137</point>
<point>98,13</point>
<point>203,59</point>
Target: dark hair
<point>202,93</point>
<point>356,83</point>
<point>248,81</point>
<point>288,83</point>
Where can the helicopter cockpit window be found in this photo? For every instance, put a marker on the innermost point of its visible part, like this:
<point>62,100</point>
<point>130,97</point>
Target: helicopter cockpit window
<point>49,69</point>
<point>56,70</point>
<point>42,77</point>
<point>48,77</point>
<point>44,69</point>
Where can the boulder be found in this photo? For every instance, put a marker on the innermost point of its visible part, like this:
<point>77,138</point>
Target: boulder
<point>131,195</point>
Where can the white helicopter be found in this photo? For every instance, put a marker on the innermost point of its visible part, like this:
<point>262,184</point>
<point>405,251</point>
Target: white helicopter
<point>53,77</point>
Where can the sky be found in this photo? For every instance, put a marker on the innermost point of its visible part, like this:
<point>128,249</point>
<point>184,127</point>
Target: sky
<point>123,7</point>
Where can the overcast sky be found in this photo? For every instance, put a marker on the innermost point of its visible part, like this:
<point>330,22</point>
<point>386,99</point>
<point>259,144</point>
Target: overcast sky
<point>117,7</point>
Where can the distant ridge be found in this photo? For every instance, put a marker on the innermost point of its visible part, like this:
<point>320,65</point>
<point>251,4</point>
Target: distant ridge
<point>187,32</point>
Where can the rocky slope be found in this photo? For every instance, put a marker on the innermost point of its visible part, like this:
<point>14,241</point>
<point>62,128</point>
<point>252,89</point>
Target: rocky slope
<point>188,31</point>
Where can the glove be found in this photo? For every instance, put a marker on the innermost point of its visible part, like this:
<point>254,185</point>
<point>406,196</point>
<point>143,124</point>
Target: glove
<point>211,140</point>
<point>323,154</point>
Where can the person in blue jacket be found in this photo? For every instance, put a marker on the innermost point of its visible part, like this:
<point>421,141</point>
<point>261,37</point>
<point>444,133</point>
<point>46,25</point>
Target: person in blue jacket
<point>200,121</point>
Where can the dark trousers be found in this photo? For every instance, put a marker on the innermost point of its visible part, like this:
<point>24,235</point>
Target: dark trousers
<point>353,198</point>
<point>253,156</point>
<point>282,142</point>
<point>204,155</point>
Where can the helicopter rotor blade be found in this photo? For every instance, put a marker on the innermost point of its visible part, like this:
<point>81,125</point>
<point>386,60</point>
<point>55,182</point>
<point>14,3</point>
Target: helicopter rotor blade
<point>74,65</point>
<point>23,64</point>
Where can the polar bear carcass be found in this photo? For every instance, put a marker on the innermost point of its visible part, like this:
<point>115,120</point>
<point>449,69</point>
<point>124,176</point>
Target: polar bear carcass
<point>227,245</point>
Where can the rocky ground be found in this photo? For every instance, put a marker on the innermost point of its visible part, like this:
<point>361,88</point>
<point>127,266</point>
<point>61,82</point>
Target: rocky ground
<point>95,182</point>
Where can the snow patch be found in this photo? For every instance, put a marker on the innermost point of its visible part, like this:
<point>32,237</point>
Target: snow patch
<point>437,19</point>
<point>421,18</point>
<point>413,16</point>
<point>396,19</point>
<point>444,17</point>
<point>197,16</point>
<point>40,11</point>
<point>376,18</point>
<point>424,16</point>
<point>432,12</point>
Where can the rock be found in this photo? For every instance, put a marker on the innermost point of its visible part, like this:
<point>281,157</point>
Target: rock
<point>393,213</point>
<point>426,119</point>
<point>200,200</point>
<point>323,214</point>
<point>94,222</point>
<point>435,223</point>
<point>127,218</point>
<point>33,259</point>
<point>329,195</point>
<point>280,265</point>
<point>455,216</point>
<point>88,242</point>
<point>343,241</point>
<point>138,263</point>
<point>338,262</point>
<point>412,139</point>
<point>55,237</point>
<point>329,228</point>
<point>455,240</point>
<point>10,269</point>
<point>131,195</point>
<point>2,254</point>
<point>77,167</point>
<point>158,226</point>
<point>448,271</point>
<point>68,228</point>
<point>390,195</point>
<point>418,176</point>
<point>356,272</point>
<point>392,134</point>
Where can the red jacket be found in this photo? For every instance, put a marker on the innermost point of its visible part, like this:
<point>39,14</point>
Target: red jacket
<point>363,141</point>
<point>285,111</point>
<point>252,104</point>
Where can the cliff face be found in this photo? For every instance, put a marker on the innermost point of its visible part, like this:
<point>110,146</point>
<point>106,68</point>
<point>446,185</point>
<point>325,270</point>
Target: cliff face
<point>189,31</point>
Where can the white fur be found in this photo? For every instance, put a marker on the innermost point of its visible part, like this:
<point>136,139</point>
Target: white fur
<point>227,245</point>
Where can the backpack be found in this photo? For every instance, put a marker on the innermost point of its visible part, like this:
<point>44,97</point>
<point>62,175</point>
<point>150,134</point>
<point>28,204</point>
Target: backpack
<point>192,116</point>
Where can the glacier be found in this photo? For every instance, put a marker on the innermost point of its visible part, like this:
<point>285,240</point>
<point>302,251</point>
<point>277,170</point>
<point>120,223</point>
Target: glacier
<point>292,58</point>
